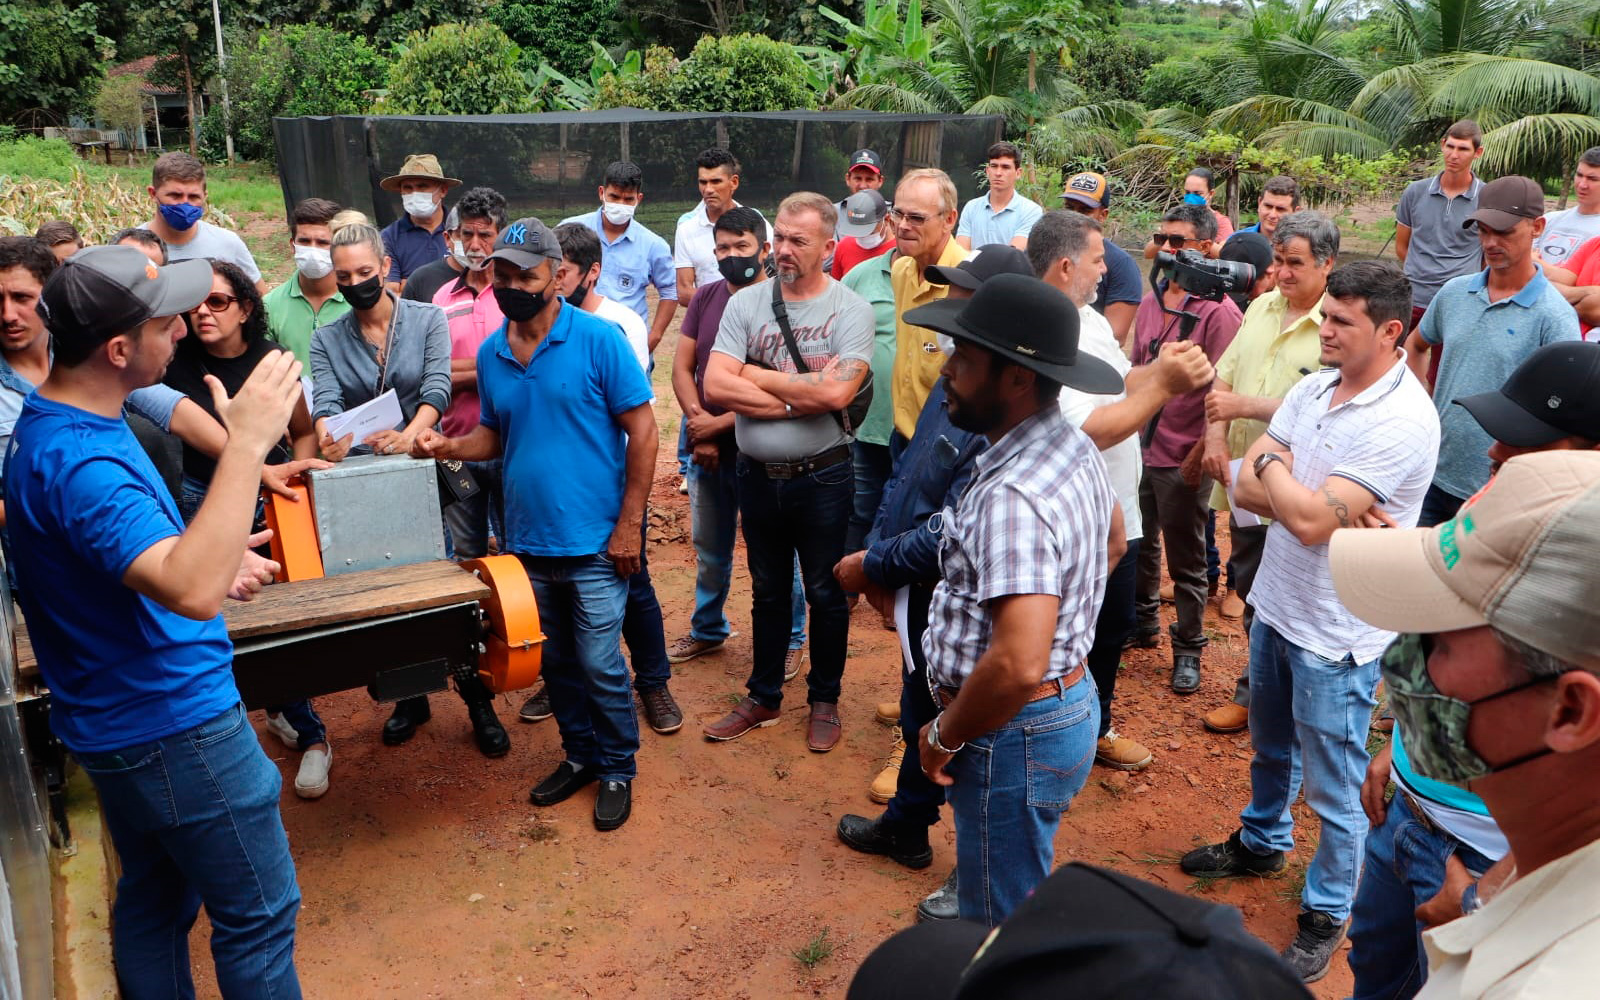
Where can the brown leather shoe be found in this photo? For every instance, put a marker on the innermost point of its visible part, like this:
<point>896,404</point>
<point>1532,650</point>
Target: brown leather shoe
<point>746,715</point>
<point>1230,718</point>
<point>1232,606</point>
<point>1167,592</point>
<point>824,727</point>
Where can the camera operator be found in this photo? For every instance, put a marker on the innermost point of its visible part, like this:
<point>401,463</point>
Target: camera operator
<point>1173,507</point>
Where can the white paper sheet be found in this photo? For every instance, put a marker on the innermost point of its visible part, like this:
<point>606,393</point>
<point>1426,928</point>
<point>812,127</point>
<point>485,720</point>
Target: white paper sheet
<point>1245,518</point>
<point>381,414</point>
<point>901,627</point>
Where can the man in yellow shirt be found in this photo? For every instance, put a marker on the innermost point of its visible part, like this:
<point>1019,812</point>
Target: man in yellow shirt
<point>924,215</point>
<point>1277,345</point>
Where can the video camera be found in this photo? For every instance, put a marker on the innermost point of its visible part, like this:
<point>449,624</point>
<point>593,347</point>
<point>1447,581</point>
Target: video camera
<point>1203,277</point>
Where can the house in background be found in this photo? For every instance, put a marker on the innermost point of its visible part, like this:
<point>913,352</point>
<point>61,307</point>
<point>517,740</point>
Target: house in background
<point>169,127</point>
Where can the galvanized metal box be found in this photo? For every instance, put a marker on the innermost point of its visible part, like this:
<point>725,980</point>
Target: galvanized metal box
<point>375,511</point>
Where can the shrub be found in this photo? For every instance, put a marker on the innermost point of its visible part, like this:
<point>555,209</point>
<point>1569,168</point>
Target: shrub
<point>742,73</point>
<point>1181,83</point>
<point>121,105</point>
<point>458,69</point>
<point>557,32</point>
<point>650,87</point>
<point>32,157</point>
<point>1113,68</point>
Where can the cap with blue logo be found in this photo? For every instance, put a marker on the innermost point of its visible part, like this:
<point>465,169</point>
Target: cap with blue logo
<point>525,243</point>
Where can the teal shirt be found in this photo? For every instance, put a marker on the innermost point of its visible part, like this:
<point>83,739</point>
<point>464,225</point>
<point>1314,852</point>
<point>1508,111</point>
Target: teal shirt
<point>1453,796</point>
<point>870,280</point>
<point>291,319</point>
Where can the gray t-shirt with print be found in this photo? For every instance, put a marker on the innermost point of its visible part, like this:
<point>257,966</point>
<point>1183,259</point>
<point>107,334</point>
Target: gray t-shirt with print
<point>218,244</point>
<point>835,324</point>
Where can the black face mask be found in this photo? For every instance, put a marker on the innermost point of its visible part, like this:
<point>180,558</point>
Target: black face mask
<point>578,295</point>
<point>363,295</point>
<point>519,306</point>
<point>740,270</point>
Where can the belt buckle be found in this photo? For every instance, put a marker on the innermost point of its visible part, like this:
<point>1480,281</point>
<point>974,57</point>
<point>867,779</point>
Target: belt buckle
<point>780,470</point>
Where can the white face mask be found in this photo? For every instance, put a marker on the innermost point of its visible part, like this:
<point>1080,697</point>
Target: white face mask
<point>313,262</point>
<point>616,214</point>
<point>946,344</point>
<point>871,242</point>
<point>418,204</point>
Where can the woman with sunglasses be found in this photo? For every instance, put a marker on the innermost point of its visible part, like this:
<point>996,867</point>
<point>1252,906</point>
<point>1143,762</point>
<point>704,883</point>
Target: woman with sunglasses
<point>227,338</point>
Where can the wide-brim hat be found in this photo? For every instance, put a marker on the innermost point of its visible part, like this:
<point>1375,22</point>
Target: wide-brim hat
<point>418,167</point>
<point>986,261</point>
<point>1026,322</point>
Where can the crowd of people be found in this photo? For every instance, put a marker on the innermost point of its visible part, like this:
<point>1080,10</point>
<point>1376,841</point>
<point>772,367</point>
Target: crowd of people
<point>973,417</point>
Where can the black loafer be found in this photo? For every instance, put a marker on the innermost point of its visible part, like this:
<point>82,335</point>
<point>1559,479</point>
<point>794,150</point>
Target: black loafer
<point>906,845</point>
<point>613,804</point>
<point>1185,673</point>
<point>409,713</point>
<point>563,781</point>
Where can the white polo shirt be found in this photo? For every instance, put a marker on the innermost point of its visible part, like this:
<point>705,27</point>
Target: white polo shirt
<point>1385,439</point>
<point>694,244</point>
<point>1123,462</point>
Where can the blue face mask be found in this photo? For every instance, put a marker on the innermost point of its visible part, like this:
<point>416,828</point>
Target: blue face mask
<point>181,217</point>
<point>1193,198</point>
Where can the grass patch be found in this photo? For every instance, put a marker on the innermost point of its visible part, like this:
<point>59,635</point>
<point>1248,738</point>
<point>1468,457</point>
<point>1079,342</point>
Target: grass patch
<point>815,951</point>
<point>1292,882</point>
<point>1201,885</point>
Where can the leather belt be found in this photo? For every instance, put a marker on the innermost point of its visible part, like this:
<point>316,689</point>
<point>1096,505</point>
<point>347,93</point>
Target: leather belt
<point>806,466</point>
<point>1049,689</point>
<point>1423,819</point>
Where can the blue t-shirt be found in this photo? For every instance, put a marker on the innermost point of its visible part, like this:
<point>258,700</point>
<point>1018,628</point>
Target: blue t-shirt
<point>1121,281</point>
<point>82,502</point>
<point>565,454</point>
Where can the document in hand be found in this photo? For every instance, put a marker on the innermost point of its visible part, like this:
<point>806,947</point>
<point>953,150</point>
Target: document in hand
<point>1244,518</point>
<point>381,414</point>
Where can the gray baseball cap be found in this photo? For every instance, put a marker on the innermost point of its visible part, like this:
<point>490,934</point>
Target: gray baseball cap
<point>862,213</point>
<point>101,292</point>
<point>525,243</point>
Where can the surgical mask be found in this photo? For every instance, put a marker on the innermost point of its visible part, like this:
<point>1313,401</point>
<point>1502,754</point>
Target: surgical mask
<point>313,262</point>
<point>1433,724</point>
<point>871,242</point>
<point>363,295</point>
<point>1194,198</point>
<point>418,204</point>
<point>181,217</point>
<point>740,270</point>
<point>458,250</point>
<point>519,306</point>
<point>947,344</point>
<point>578,295</point>
<point>617,215</point>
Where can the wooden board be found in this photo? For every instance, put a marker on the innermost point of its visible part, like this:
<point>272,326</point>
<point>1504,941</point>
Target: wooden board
<point>291,607</point>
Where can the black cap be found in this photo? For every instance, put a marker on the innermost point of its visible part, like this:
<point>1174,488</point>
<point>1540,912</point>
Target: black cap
<point>865,158</point>
<point>101,292</point>
<point>1026,322</point>
<point>1086,933</point>
<point>525,243</point>
<point>984,263</point>
<point>1554,393</point>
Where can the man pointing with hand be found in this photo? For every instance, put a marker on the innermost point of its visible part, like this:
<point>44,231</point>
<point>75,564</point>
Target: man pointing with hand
<point>124,608</point>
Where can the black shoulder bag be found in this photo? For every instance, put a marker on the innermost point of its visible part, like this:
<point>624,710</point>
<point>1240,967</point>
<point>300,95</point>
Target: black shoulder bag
<point>456,481</point>
<point>855,411</point>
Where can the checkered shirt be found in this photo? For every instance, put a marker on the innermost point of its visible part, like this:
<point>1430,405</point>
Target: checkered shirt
<point>1034,520</point>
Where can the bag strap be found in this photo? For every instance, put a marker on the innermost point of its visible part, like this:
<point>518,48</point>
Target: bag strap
<point>781,313</point>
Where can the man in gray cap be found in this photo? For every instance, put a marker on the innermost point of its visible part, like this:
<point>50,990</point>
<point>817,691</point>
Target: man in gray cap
<point>864,230</point>
<point>577,470</point>
<point>124,607</point>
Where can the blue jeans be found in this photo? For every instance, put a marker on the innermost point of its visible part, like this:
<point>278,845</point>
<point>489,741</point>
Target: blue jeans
<point>194,818</point>
<point>803,517</point>
<point>468,523</point>
<point>917,798</point>
<point>1113,625</point>
<point>642,628</point>
<point>1405,868</point>
<point>1309,713</point>
<point>685,451</point>
<point>873,468</point>
<point>1011,787</point>
<point>1438,507</point>
<point>581,603</point>
<point>714,519</point>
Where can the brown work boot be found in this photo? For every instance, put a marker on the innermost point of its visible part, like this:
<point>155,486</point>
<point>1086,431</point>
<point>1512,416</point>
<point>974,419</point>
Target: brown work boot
<point>824,727</point>
<point>1119,752</point>
<point>1232,606</point>
<point>1230,718</point>
<point>888,713</point>
<point>888,779</point>
<point>792,663</point>
<point>688,647</point>
<point>746,715</point>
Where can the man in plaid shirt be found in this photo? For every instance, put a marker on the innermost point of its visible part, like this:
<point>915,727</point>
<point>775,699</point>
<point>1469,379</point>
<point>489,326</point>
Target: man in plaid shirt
<point>1024,561</point>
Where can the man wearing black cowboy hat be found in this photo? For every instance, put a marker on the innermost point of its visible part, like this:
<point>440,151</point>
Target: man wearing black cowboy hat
<point>1024,559</point>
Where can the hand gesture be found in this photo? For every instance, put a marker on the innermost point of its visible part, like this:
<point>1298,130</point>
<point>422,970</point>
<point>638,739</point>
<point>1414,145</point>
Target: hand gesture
<point>1183,367</point>
<point>623,549</point>
<point>429,443</point>
<point>1222,406</point>
<point>335,451</point>
<point>851,573</point>
<point>707,455</point>
<point>389,443</point>
<point>276,477</point>
<point>257,415</point>
<point>254,571</point>
<point>1215,463</point>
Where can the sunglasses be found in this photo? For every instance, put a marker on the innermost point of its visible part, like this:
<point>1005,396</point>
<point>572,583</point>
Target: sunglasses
<point>217,302</point>
<point>1171,239</point>
<point>915,218</point>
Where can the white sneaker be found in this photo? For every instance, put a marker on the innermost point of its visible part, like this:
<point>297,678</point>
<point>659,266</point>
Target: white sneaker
<point>312,781</point>
<point>280,727</point>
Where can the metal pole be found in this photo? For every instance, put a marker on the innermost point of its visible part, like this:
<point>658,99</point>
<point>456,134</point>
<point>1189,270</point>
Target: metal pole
<point>222,74</point>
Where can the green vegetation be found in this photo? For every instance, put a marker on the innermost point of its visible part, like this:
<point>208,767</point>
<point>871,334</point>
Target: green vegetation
<point>814,951</point>
<point>458,69</point>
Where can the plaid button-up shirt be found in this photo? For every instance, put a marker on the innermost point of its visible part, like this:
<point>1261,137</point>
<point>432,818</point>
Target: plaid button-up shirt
<point>1034,520</point>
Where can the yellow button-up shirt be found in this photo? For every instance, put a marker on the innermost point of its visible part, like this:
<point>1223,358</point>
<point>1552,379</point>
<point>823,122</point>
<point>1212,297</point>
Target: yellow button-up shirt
<point>917,358</point>
<point>1266,360</point>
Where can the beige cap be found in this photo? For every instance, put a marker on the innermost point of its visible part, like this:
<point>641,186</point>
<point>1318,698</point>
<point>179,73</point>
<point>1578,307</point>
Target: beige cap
<point>1519,556</point>
<point>421,167</point>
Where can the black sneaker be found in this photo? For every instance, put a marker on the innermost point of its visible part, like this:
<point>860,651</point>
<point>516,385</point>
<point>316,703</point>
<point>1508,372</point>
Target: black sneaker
<point>661,711</point>
<point>907,845</point>
<point>613,804</point>
<point>1231,858</point>
<point>941,903</point>
<point>537,707</point>
<point>1311,951</point>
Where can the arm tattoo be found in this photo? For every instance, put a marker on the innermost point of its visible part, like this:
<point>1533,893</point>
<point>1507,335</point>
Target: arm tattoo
<point>1341,510</point>
<point>849,371</point>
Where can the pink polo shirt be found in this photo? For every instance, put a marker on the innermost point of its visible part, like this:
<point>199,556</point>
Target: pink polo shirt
<point>472,318</point>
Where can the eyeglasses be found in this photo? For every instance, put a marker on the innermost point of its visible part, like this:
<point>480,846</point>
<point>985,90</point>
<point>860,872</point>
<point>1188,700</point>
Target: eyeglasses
<point>915,218</point>
<point>1171,239</point>
<point>217,302</point>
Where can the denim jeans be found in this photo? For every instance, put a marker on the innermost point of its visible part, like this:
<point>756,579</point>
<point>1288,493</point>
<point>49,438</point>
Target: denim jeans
<point>1312,713</point>
<point>1438,507</point>
<point>873,468</point>
<point>468,523</point>
<point>581,604</point>
<point>1011,787</point>
<point>917,798</point>
<point>685,451</point>
<point>1405,868</point>
<point>194,818</point>
<point>1113,626</point>
<point>642,627</point>
<point>714,519</point>
<point>783,518</point>
<point>1245,545</point>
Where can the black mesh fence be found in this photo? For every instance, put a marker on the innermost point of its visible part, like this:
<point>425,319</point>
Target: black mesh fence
<point>550,165</point>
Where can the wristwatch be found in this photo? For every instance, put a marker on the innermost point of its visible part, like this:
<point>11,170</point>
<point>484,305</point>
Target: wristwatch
<point>1263,460</point>
<point>933,739</point>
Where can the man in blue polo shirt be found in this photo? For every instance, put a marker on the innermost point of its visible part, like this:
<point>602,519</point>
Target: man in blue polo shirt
<point>123,608</point>
<point>1002,215</point>
<point>633,257</point>
<point>564,401</point>
<point>417,237</point>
